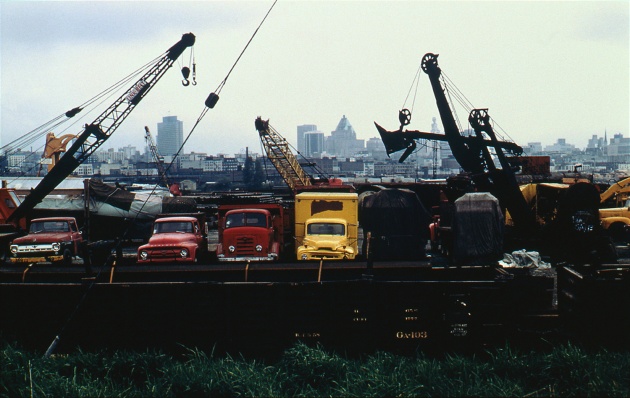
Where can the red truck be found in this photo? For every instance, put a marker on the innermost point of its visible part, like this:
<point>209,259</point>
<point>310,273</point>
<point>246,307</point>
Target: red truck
<point>54,239</point>
<point>180,239</point>
<point>253,232</point>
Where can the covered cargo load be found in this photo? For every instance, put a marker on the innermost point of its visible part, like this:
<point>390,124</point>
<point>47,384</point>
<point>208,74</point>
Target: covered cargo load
<point>478,227</point>
<point>398,223</point>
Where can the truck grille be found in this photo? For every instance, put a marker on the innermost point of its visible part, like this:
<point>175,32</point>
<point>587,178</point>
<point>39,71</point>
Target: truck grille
<point>245,246</point>
<point>163,253</point>
<point>36,249</point>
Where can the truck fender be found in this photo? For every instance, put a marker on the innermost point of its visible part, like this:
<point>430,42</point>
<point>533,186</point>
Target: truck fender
<point>433,231</point>
<point>608,221</point>
<point>275,248</point>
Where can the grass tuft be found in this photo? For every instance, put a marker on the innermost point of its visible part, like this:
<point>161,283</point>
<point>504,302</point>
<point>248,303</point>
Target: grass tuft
<point>305,371</point>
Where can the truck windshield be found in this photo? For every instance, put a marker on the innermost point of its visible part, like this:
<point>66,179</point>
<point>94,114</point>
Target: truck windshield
<point>49,226</point>
<point>165,227</point>
<point>325,228</point>
<point>245,219</point>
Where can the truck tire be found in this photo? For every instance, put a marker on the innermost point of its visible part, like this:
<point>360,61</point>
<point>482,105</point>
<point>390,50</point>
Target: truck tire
<point>67,257</point>
<point>617,232</point>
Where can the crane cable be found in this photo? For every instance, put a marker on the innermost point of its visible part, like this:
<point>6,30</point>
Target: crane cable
<point>91,104</point>
<point>468,106</point>
<point>220,86</point>
<point>202,114</point>
<point>56,339</point>
<point>416,81</point>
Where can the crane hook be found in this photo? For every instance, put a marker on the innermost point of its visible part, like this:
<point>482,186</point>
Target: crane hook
<point>194,79</point>
<point>185,73</point>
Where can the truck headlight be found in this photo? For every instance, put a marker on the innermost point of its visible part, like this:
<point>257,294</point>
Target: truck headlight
<point>56,246</point>
<point>258,248</point>
<point>183,253</point>
<point>304,257</point>
<point>144,255</point>
<point>232,249</point>
<point>14,249</point>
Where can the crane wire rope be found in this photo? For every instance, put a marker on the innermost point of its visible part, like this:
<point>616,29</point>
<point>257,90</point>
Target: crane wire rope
<point>220,86</point>
<point>201,116</point>
<point>89,287</point>
<point>416,81</point>
<point>55,341</point>
<point>91,104</point>
<point>36,133</point>
<point>467,104</point>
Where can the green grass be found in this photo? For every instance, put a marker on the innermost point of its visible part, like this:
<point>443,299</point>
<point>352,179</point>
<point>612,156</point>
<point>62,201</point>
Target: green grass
<point>304,371</point>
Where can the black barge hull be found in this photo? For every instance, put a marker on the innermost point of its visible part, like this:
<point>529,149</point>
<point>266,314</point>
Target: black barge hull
<point>264,308</point>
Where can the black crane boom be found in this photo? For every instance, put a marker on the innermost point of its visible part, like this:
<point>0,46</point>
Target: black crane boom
<point>97,132</point>
<point>471,152</point>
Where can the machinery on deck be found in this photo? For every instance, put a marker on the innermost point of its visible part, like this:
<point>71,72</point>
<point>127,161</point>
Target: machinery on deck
<point>490,165</point>
<point>93,136</point>
<point>159,163</point>
<point>280,155</point>
<point>288,166</point>
<point>55,146</point>
<point>471,152</point>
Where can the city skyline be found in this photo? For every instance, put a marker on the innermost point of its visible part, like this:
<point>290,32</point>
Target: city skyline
<point>565,78</point>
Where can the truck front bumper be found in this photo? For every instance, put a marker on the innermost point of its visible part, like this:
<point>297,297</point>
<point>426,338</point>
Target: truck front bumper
<point>305,255</point>
<point>36,259</point>
<point>269,258</point>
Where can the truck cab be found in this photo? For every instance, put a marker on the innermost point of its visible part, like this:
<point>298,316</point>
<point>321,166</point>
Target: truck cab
<point>326,226</point>
<point>326,238</point>
<point>249,234</point>
<point>175,239</point>
<point>54,239</point>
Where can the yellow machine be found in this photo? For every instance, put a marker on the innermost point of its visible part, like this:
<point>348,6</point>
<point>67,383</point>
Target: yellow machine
<point>55,146</point>
<point>326,225</point>
<point>616,219</point>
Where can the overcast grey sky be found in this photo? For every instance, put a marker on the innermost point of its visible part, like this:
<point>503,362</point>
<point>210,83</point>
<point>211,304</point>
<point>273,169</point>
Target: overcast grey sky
<point>546,70</point>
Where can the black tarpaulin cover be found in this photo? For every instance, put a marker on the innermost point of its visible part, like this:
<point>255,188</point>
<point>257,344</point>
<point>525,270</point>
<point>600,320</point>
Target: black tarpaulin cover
<point>477,229</point>
<point>397,220</point>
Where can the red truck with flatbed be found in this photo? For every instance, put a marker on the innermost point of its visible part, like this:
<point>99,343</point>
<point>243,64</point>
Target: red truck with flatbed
<point>54,239</point>
<point>176,239</point>
<point>252,232</point>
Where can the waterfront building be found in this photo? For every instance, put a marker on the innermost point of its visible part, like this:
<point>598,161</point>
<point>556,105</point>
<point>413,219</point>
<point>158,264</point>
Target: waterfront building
<point>343,141</point>
<point>619,146</point>
<point>313,144</point>
<point>301,131</point>
<point>533,148</point>
<point>374,146</point>
<point>84,169</point>
<point>170,136</point>
<point>560,146</point>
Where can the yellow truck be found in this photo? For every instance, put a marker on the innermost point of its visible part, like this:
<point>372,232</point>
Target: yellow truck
<point>326,225</point>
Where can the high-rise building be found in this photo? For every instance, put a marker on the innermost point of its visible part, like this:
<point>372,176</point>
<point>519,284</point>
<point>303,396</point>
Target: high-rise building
<point>313,144</point>
<point>301,130</point>
<point>343,141</point>
<point>170,136</point>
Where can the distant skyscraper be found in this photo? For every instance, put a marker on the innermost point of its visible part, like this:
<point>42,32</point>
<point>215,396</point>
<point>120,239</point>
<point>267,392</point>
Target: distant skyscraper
<point>301,130</point>
<point>170,136</point>
<point>343,140</point>
<point>313,144</point>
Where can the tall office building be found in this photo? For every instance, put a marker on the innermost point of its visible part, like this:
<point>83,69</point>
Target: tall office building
<point>301,130</point>
<point>313,144</point>
<point>170,136</point>
<point>343,141</point>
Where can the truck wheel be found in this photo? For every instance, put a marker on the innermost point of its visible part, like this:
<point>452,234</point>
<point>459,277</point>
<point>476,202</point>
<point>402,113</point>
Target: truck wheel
<point>617,232</point>
<point>67,257</point>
